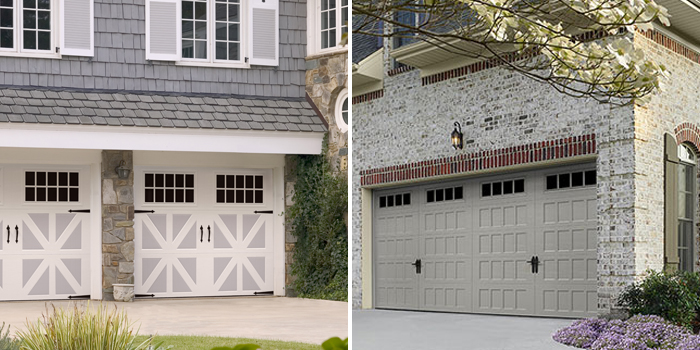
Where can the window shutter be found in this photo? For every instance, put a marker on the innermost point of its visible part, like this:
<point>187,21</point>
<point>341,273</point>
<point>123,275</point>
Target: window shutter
<point>670,203</point>
<point>77,27</point>
<point>162,30</point>
<point>264,32</point>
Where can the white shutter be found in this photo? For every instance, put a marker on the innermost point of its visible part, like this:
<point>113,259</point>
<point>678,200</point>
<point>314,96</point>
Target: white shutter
<point>162,30</point>
<point>77,27</point>
<point>264,32</point>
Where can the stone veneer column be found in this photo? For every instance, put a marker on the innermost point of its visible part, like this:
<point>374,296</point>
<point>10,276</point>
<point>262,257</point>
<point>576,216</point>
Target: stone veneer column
<point>117,222</point>
<point>290,165</point>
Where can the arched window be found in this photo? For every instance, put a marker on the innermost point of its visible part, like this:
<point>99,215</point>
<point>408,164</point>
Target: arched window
<point>687,182</point>
<point>341,111</point>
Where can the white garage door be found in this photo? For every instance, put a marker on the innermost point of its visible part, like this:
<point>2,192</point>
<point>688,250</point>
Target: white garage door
<point>210,234</point>
<point>522,244</point>
<point>44,248</point>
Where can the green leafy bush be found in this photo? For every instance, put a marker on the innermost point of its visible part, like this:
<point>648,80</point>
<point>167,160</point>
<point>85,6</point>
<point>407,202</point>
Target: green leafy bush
<point>82,329</point>
<point>318,220</point>
<point>673,296</point>
<point>6,342</point>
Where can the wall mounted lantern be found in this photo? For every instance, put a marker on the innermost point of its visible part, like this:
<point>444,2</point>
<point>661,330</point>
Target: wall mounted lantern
<point>457,137</point>
<point>122,171</point>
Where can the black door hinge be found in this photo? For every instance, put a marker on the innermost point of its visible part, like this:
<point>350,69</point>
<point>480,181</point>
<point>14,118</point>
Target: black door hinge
<point>144,211</point>
<point>79,211</point>
<point>263,212</point>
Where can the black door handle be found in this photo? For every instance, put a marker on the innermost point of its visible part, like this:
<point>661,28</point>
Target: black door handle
<point>534,264</point>
<point>8,233</point>
<point>201,229</point>
<point>209,237</point>
<point>417,264</point>
<point>17,235</point>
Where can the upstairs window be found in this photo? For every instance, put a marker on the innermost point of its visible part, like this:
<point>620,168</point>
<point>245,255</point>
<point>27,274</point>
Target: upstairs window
<point>327,22</point>
<point>211,31</point>
<point>28,27</point>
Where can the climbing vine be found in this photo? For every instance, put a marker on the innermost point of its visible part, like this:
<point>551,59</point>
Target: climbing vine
<point>318,220</point>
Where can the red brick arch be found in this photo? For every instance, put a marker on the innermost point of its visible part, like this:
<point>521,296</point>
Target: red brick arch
<point>688,133</point>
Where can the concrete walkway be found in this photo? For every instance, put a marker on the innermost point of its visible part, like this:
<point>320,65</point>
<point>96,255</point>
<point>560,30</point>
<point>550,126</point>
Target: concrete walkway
<point>289,319</point>
<point>380,329</point>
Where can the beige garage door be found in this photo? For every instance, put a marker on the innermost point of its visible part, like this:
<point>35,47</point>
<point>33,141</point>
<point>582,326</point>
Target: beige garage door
<point>520,243</point>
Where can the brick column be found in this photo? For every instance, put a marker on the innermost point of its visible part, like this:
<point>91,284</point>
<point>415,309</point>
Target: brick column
<point>117,222</point>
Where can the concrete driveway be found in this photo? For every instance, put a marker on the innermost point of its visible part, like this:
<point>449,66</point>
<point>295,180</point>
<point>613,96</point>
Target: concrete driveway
<point>380,329</point>
<point>289,319</point>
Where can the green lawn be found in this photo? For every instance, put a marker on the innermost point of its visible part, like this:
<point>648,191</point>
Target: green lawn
<point>180,342</point>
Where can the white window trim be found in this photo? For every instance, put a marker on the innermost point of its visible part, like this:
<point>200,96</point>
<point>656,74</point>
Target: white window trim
<point>18,51</point>
<point>211,41</point>
<point>313,31</point>
<point>338,111</point>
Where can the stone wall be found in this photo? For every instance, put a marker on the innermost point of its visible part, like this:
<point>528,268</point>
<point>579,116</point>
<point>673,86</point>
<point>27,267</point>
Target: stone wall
<point>290,164</point>
<point>117,222</point>
<point>326,77</point>
<point>499,108</point>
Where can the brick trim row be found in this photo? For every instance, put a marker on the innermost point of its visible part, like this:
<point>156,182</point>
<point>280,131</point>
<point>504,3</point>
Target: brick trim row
<point>537,152</point>
<point>399,70</point>
<point>672,45</point>
<point>690,133</point>
<point>368,97</point>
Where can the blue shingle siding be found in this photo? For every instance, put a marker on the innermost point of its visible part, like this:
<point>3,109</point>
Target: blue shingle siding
<point>119,62</point>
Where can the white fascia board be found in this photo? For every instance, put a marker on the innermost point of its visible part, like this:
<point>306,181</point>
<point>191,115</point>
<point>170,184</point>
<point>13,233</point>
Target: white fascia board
<point>159,139</point>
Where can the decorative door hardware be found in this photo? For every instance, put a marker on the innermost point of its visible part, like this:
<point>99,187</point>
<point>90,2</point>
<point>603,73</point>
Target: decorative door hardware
<point>201,229</point>
<point>417,264</point>
<point>144,211</point>
<point>209,237</point>
<point>79,211</point>
<point>534,264</point>
<point>17,235</point>
<point>8,233</point>
<point>263,212</point>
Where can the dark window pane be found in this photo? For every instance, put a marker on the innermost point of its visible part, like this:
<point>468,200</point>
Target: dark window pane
<point>6,3</point>
<point>520,186</point>
<point>590,177</point>
<point>44,41</point>
<point>169,196</point>
<point>390,201</point>
<point>233,52</point>
<point>160,180</point>
<point>30,40</point>
<point>240,181</point>
<point>233,32</point>
<point>160,195</point>
<point>485,190</point>
<point>449,194</point>
<point>231,196</point>
<point>564,181</point>
<point>53,178</point>
<point>431,196</point>
<point>459,194</point>
<point>220,181</point>
<point>230,181</point>
<point>74,179</point>
<point>187,10</point>
<point>53,194</point>
<point>439,195</point>
<point>29,19</point>
<point>29,4</point>
<point>258,182</point>
<point>200,10</point>
<point>577,179</point>
<point>221,50</point>
<point>189,196</point>
<point>180,180</point>
<point>507,187</point>
<point>233,15</point>
<point>240,196</point>
<point>200,49</point>
<point>29,178</point>
<point>221,12</point>
<point>552,182</point>
<point>249,195</point>
<point>29,194</point>
<point>399,200</point>
<point>407,199</point>
<point>63,194</point>
<point>6,38</point>
<point>44,4</point>
<point>41,178</point>
<point>41,194</point>
<point>180,196</point>
<point>258,196</point>
<point>496,188</point>
<point>43,20</point>
<point>188,33</point>
<point>63,179</point>
<point>149,196</point>
<point>6,19</point>
<point>149,180</point>
<point>382,202</point>
<point>189,180</point>
<point>169,180</point>
<point>249,181</point>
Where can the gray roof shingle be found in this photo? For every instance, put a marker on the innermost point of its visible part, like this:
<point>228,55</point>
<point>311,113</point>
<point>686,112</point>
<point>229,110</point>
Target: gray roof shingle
<point>139,109</point>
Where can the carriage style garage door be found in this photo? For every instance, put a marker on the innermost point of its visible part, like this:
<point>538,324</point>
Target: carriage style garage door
<point>44,250</point>
<point>210,233</point>
<point>521,244</point>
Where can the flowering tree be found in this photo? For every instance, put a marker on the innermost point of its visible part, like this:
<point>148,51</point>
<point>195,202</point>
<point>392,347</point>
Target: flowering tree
<point>581,47</point>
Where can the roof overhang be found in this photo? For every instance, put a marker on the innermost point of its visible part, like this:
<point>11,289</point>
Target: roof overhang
<point>368,74</point>
<point>159,139</point>
<point>685,19</point>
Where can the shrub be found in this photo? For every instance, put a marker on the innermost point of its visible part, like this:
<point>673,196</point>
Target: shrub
<point>582,333</point>
<point>82,329</point>
<point>671,296</point>
<point>7,343</point>
<point>318,220</point>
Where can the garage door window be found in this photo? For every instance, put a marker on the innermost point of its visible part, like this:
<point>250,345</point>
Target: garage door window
<point>500,188</point>
<point>445,194</point>
<point>169,188</point>
<point>51,186</point>
<point>395,200</point>
<point>569,180</point>
<point>239,189</point>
